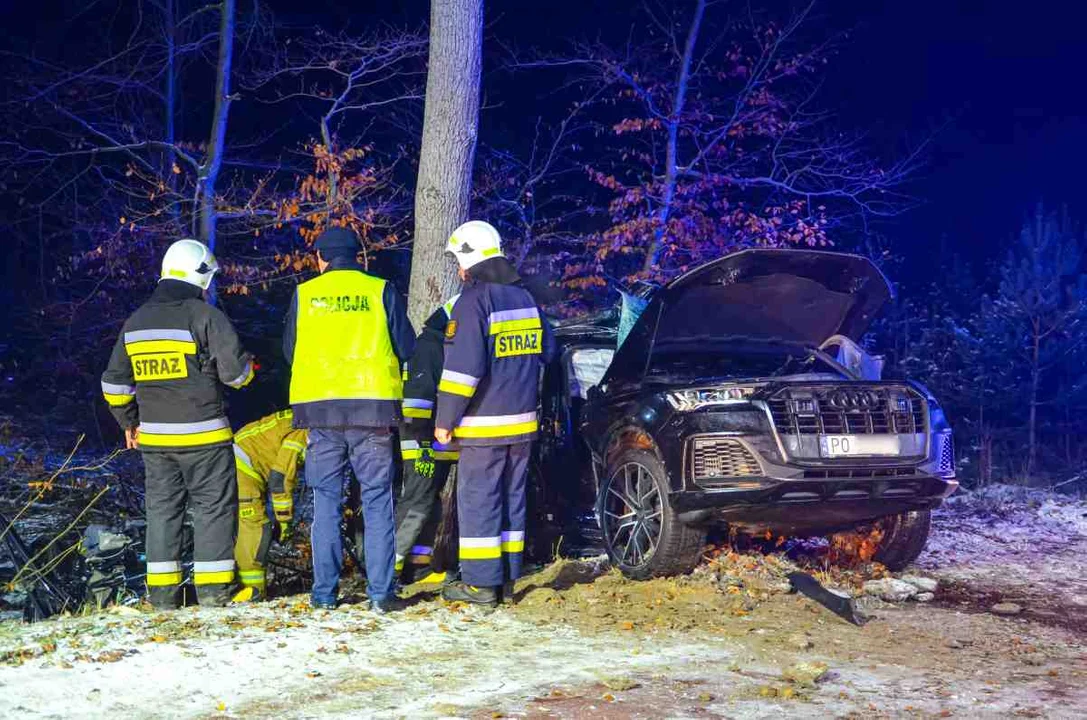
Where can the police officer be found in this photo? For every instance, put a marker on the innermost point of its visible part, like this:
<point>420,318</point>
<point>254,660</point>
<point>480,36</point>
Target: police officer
<point>163,386</point>
<point>267,453</point>
<point>496,341</point>
<point>346,337</point>
<point>427,464</point>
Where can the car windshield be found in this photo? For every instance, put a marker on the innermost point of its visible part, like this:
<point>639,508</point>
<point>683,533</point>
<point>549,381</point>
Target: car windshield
<point>737,362</point>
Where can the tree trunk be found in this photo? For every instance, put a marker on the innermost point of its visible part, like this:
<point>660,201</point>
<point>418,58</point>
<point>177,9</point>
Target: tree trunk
<point>171,110</point>
<point>450,127</point>
<point>670,158</point>
<point>213,161</point>
<point>1035,372</point>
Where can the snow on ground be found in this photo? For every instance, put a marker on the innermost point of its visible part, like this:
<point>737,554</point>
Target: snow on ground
<point>582,643</point>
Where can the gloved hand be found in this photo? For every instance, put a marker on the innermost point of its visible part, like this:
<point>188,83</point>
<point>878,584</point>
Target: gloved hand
<point>424,464</point>
<point>284,532</point>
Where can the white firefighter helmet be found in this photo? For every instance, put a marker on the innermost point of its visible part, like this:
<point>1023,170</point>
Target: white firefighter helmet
<point>473,242</point>
<point>191,262</point>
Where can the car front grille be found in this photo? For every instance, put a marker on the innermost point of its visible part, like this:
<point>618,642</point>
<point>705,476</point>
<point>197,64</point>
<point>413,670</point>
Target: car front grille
<point>847,410</point>
<point>717,457</point>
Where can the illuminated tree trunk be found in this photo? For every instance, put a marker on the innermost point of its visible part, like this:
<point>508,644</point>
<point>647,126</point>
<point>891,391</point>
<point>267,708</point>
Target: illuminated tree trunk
<point>450,127</point>
<point>679,99</point>
<point>213,161</point>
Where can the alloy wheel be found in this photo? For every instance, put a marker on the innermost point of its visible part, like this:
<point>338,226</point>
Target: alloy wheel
<point>632,515</point>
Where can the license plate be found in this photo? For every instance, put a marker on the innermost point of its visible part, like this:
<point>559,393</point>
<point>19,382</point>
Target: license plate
<point>854,445</point>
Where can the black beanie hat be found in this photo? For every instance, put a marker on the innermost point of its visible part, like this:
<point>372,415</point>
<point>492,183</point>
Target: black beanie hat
<point>337,242</point>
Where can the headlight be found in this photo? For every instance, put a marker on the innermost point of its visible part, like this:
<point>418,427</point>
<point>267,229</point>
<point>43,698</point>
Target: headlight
<point>687,400</point>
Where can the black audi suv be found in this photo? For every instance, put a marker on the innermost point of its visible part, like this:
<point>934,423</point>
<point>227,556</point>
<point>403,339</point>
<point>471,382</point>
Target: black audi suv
<point>739,398</point>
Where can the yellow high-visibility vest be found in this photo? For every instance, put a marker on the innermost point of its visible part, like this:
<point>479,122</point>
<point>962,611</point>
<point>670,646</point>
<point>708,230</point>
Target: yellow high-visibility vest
<point>342,346</point>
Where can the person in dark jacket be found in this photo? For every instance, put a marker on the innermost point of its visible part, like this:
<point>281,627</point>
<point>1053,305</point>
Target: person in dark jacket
<point>164,386</point>
<point>426,463</point>
<point>496,343</point>
<point>346,337</point>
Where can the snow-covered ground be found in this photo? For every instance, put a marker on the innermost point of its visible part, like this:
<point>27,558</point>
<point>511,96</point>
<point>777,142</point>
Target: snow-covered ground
<point>586,644</point>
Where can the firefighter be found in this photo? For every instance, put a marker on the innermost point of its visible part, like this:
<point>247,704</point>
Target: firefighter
<point>346,338</point>
<point>496,342</point>
<point>267,453</point>
<point>163,386</point>
<point>426,463</point>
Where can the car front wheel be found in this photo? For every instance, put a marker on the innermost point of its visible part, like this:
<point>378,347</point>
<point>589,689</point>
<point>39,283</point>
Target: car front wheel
<point>642,534</point>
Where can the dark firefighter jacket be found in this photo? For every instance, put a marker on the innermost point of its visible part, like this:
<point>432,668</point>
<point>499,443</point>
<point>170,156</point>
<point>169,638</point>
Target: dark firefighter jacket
<point>348,411</point>
<point>422,374</point>
<point>496,342</point>
<point>270,449</point>
<point>166,368</point>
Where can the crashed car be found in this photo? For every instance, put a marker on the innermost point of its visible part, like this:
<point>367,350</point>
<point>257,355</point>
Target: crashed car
<point>738,400</point>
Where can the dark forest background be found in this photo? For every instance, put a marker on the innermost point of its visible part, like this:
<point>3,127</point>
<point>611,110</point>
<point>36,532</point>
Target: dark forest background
<point>938,139</point>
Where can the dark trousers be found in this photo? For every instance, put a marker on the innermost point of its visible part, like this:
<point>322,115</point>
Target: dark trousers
<point>418,515</point>
<point>491,491</point>
<point>204,479</point>
<point>369,452</point>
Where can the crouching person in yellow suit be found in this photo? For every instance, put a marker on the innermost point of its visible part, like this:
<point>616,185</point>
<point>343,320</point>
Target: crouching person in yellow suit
<point>267,454</point>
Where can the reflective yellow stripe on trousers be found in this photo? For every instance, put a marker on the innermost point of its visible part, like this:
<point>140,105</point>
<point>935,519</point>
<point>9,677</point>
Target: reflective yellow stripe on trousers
<point>163,574</point>
<point>213,572</point>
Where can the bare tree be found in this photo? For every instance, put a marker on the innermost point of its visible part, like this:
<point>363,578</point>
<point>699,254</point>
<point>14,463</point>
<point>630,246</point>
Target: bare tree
<point>447,153</point>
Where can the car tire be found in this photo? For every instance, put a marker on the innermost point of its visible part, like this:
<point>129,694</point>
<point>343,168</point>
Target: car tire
<point>642,534</point>
<point>904,538</point>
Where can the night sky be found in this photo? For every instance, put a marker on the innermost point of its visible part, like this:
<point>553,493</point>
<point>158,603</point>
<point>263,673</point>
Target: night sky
<point>999,92</point>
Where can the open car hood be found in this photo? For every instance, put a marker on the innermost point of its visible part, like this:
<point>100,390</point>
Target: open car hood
<point>791,296</point>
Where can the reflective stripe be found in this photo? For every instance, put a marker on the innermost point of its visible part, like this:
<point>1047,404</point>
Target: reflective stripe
<point>490,426</point>
<point>160,334</point>
<point>184,428</point>
<point>418,403</point>
<point>291,444</point>
<point>118,400</point>
<point>155,346</point>
<point>245,378</point>
<point>498,431</point>
<point>483,548</point>
<point>252,578</point>
<point>163,574</point>
<point>223,577</point>
<point>447,455</point>
<point>421,413</point>
<point>493,420</point>
<point>163,579</point>
<point>205,432</point>
<point>242,455</point>
<point>191,440</point>
<point>521,319</point>
<point>281,504</point>
<point>448,307</point>
<point>111,389</point>
<point>456,388</point>
<point>213,565</point>
<point>513,541</point>
<point>409,445</point>
<point>459,378</point>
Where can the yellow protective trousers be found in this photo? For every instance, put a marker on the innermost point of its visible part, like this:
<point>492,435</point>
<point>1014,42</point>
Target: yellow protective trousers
<point>254,528</point>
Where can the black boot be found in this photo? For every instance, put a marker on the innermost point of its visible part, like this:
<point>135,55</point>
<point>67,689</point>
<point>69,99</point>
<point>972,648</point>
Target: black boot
<point>164,598</point>
<point>508,592</point>
<point>463,592</point>
<point>215,595</point>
